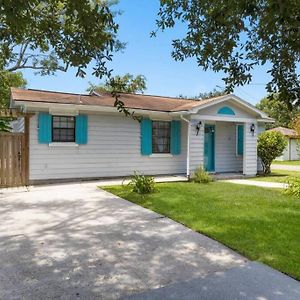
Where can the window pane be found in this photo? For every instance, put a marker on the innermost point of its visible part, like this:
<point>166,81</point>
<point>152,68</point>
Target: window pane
<point>63,129</point>
<point>161,137</point>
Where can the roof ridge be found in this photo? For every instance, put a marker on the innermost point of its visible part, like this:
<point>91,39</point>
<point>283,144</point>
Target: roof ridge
<point>54,92</point>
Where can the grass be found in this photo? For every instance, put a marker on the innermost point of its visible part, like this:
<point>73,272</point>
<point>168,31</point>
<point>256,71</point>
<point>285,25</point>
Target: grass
<point>277,176</point>
<point>287,163</point>
<point>260,223</point>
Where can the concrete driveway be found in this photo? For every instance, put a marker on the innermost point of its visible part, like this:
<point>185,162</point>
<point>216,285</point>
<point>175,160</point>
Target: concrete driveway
<point>73,241</point>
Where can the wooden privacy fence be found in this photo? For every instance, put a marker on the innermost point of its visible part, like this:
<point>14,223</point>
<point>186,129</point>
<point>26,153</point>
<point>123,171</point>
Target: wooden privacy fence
<point>13,160</point>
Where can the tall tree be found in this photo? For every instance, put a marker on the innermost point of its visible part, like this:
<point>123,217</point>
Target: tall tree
<point>234,36</point>
<point>205,95</point>
<point>279,111</point>
<point>54,35</point>
<point>7,80</point>
<point>126,84</point>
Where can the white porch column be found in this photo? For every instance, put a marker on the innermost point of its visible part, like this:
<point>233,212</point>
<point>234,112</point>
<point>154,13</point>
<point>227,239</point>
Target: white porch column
<point>196,146</point>
<point>250,149</point>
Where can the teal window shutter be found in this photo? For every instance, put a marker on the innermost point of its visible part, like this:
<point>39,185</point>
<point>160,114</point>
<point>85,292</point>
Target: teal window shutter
<point>146,136</point>
<point>240,139</point>
<point>44,128</point>
<point>175,137</point>
<point>81,129</point>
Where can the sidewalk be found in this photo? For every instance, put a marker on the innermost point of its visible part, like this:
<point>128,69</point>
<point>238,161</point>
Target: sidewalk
<point>265,184</point>
<point>285,167</point>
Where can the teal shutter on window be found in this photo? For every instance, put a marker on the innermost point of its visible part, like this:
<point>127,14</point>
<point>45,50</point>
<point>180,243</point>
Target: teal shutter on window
<point>175,137</point>
<point>45,128</point>
<point>146,136</point>
<point>240,140</point>
<point>81,129</point>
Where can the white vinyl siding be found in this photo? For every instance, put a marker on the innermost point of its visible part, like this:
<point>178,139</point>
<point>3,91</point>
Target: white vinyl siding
<point>294,146</point>
<point>290,152</point>
<point>226,158</point>
<point>250,150</point>
<point>18,125</point>
<point>113,149</point>
<point>196,147</point>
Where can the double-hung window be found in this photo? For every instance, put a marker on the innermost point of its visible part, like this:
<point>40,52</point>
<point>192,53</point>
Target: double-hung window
<point>161,132</point>
<point>63,129</point>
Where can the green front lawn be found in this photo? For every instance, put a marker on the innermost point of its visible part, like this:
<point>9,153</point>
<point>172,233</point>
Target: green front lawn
<point>288,163</point>
<point>260,223</point>
<point>277,176</point>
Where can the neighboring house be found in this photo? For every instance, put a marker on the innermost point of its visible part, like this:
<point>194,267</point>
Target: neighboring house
<point>83,136</point>
<point>290,152</point>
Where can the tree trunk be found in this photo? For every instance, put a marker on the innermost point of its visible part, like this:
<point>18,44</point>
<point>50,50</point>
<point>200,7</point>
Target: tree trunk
<point>267,169</point>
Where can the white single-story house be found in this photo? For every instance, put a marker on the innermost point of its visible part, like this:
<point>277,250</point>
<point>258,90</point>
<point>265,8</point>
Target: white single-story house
<point>74,136</point>
<point>292,150</point>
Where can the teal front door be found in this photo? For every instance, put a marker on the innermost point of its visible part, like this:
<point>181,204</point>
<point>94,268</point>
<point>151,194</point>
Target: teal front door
<point>209,148</point>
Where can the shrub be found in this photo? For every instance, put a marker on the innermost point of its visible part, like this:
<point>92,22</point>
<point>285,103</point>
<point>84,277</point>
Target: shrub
<point>270,144</point>
<point>142,184</point>
<point>201,176</point>
<point>293,186</point>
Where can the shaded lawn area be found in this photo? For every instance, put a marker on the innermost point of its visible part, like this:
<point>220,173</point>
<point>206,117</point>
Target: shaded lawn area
<point>287,163</point>
<point>277,176</point>
<point>260,223</point>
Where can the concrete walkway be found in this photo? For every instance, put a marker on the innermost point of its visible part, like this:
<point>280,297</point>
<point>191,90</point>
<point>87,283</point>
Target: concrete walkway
<point>74,241</point>
<point>93,183</point>
<point>285,167</point>
<point>265,184</point>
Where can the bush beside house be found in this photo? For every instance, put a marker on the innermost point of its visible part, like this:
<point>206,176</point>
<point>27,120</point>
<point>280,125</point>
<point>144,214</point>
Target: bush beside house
<point>270,144</point>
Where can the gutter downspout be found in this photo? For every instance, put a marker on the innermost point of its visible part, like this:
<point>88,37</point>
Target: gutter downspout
<point>188,147</point>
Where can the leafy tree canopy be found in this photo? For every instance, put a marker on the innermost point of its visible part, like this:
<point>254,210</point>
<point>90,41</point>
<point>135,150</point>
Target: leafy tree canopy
<point>235,36</point>
<point>279,111</point>
<point>52,35</point>
<point>126,84</point>
<point>296,126</point>
<point>206,95</point>
<point>7,80</point>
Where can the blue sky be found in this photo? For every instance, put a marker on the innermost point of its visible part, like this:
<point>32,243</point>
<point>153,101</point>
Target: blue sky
<point>152,58</point>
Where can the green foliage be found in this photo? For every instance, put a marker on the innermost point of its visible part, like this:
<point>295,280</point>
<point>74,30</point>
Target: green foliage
<point>279,111</point>
<point>48,35</point>
<point>270,145</point>
<point>201,176</point>
<point>125,84</point>
<point>206,95</point>
<point>5,124</point>
<point>8,80</point>
<point>234,36</point>
<point>293,188</point>
<point>142,184</point>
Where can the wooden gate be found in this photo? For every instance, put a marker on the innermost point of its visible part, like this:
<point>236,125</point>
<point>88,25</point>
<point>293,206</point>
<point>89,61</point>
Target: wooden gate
<point>13,160</point>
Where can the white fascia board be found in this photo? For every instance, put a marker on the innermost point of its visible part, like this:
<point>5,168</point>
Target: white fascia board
<point>266,120</point>
<point>60,107</point>
<point>223,119</point>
